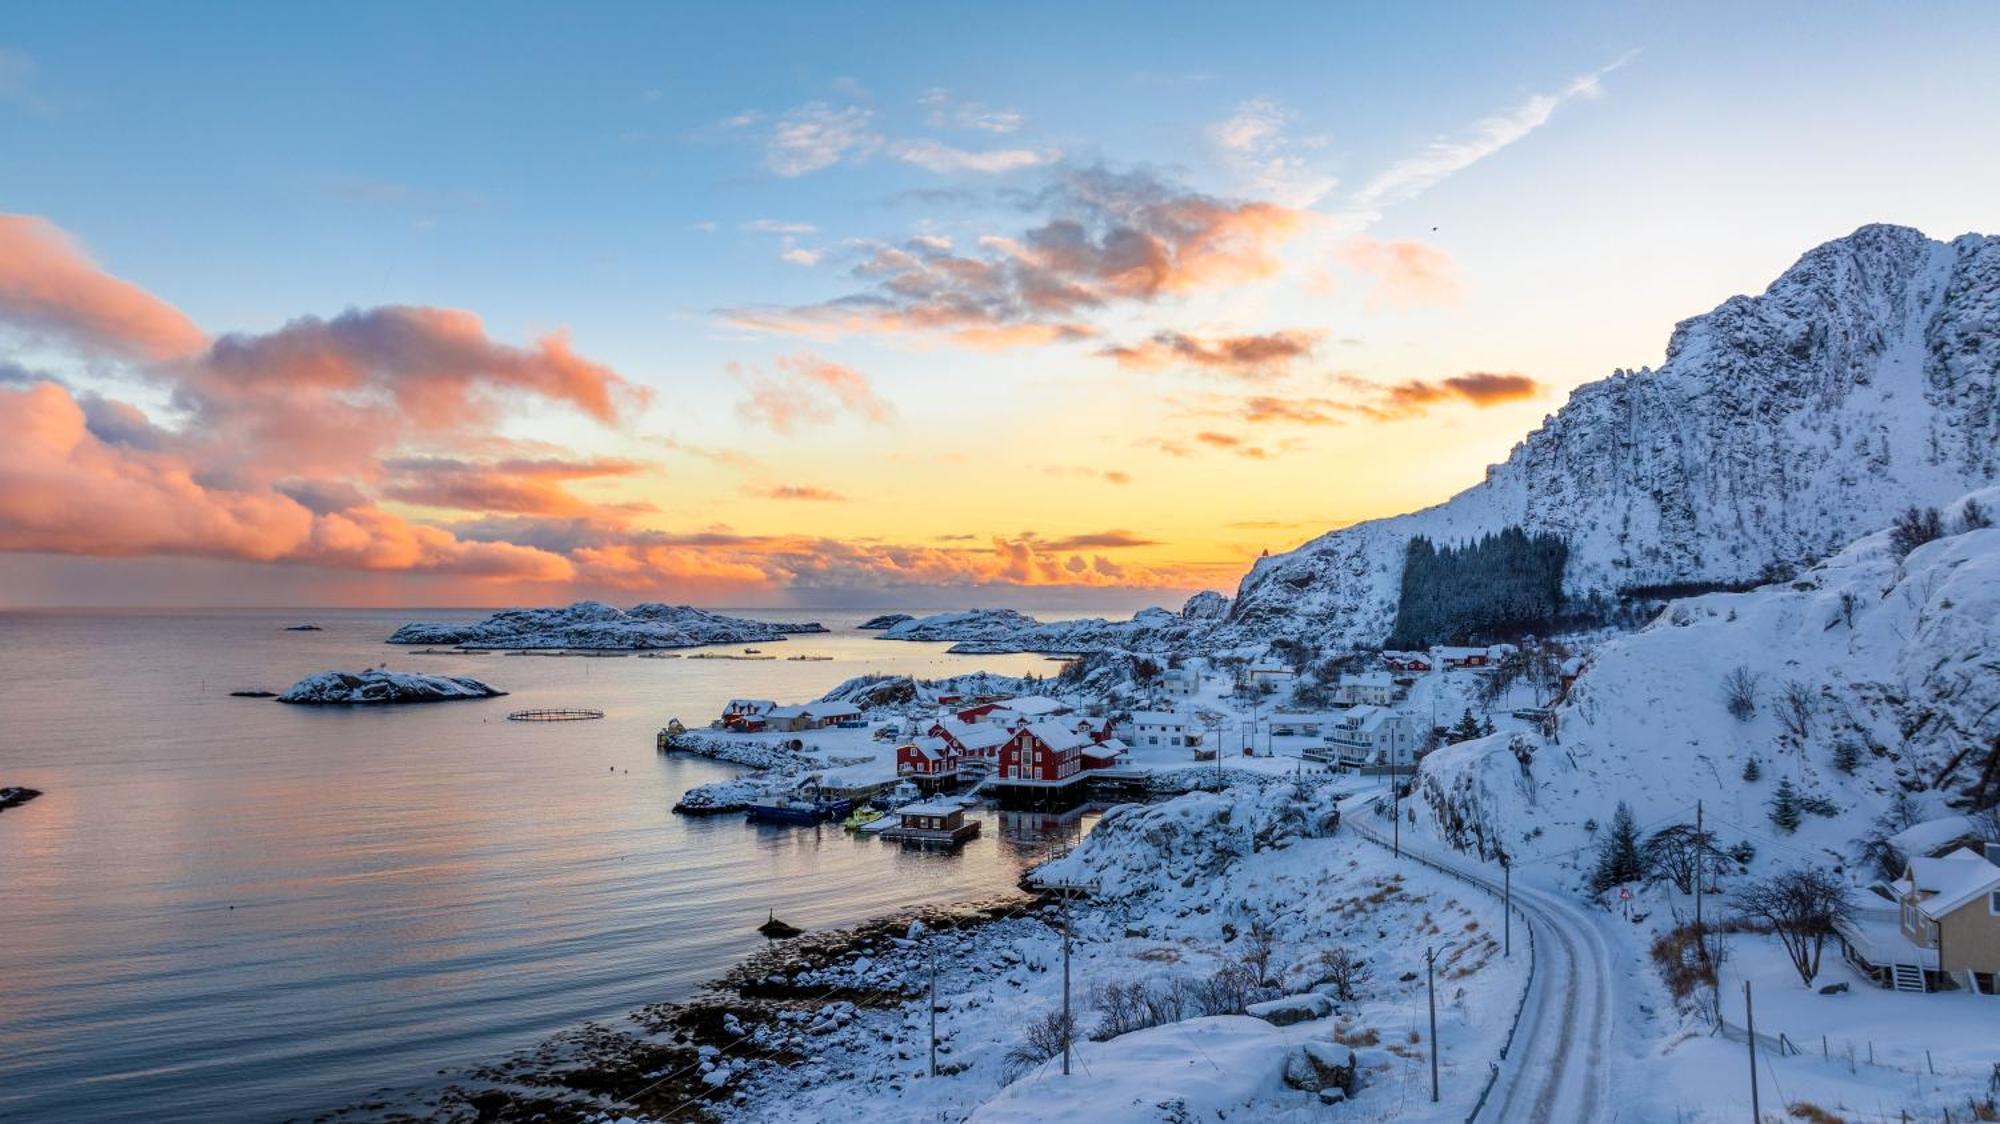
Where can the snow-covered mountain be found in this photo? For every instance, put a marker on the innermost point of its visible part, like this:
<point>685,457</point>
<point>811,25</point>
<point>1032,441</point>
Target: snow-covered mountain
<point>1871,674</point>
<point>1779,428</point>
<point>593,624</point>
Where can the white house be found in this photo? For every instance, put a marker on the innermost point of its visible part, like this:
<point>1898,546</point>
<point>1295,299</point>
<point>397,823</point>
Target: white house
<point>1377,688</point>
<point>1314,724</point>
<point>1153,729</point>
<point>1256,673</point>
<point>1180,682</point>
<point>1371,737</point>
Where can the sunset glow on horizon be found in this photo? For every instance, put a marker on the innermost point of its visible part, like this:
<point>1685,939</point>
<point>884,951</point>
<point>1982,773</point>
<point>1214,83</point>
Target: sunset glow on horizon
<point>408,306</point>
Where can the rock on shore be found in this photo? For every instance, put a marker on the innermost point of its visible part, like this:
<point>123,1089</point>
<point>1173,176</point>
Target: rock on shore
<point>334,688</point>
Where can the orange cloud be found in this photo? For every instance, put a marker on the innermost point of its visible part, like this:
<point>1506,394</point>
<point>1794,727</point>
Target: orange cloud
<point>807,388</point>
<point>1406,274</point>
<point>1113,238</point>
<point>48,285</point>
<point>527,487</point>
<point>1246,356</point>
<point>806,492</point>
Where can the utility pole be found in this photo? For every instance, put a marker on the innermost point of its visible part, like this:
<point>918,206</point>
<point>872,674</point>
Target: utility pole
<point>1507,906</point>
<point>1396,796</point>
<point>933,1004</point>
<point>1066,1018</point>
<point>1430,985</point>
<point>1700,876</point>
<point>1750,1024</point>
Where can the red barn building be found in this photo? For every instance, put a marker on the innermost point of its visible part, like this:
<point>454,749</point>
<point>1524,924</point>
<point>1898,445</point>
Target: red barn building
<point>930,762</point>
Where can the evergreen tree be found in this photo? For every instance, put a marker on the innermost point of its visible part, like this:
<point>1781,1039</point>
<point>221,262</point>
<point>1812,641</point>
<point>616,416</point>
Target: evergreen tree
<point>1785,810</point>
<point>1846,756</point>
<point>1496,584</point>
<point>1618,856</point>
<point>1752,771</point>
<point>1486,728</point>
<point>1466,728</point>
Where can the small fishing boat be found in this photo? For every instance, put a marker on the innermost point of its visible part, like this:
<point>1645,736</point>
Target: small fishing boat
<point>803,806</point>
<point>861,817</point>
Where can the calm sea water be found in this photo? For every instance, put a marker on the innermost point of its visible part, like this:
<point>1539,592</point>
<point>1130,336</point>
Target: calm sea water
<point>231,908</point>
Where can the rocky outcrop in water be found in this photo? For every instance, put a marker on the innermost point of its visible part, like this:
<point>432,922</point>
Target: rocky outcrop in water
<point>337,688</point>
<point>595,625</point>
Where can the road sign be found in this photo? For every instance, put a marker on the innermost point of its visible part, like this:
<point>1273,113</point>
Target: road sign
<point>1624,895</point>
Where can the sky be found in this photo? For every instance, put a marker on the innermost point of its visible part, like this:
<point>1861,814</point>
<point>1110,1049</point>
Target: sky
<point>896,304</point>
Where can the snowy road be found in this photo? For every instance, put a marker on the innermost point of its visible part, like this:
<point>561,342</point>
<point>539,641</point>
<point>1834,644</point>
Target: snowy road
<point>1558,1066</point>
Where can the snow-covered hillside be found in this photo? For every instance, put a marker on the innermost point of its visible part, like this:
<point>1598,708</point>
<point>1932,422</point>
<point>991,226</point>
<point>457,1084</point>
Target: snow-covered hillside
<point>1779,428</point>
<point>1872,673</point>
<point>593,624</point>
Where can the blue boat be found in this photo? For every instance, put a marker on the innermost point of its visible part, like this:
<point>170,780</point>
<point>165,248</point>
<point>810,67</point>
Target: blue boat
<point>805,807</point>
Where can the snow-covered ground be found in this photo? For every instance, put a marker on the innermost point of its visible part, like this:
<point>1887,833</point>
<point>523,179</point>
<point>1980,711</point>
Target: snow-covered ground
<point>1180,891</point>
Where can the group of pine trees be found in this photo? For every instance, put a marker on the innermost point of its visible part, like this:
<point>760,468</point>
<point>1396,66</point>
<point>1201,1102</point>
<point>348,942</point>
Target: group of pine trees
<point>1500,584</point>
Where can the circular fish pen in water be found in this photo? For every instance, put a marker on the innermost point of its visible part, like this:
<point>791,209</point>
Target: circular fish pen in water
<point>555,714</point>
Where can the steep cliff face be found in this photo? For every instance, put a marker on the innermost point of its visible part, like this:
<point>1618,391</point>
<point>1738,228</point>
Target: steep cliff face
<point>1779,428</point>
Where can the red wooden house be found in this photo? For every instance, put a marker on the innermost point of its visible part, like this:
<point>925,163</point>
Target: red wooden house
<point>1047,753</point>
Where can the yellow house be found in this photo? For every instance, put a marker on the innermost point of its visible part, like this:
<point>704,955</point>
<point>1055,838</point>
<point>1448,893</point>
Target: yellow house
<point>1950,908</point>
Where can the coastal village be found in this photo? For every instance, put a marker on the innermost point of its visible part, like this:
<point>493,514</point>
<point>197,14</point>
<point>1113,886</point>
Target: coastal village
<point>1057,749</point>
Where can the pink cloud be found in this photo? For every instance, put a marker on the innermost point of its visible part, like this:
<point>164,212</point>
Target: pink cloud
<point>1406,274</point>
<point>806,388</point>
<point>48,285</point>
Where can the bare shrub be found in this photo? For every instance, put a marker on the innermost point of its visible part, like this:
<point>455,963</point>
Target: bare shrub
<point>1042,1040</point>
<point>1914,528</point>
<point>1739,693</point>
<point>1347,972</point>
<point>1801,907</point>
<point>1795,709</point>
<point>1260,944</point>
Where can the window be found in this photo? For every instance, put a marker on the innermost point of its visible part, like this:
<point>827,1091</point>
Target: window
<point>1993,903</point>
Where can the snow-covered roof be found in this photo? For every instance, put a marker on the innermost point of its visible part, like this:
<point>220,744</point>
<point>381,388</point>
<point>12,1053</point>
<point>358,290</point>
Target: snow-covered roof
<point>785,712</point>
<point>1107,748</point>
<point>1032,705</point>
<point>832,710</point>
<point>929,808</point>
<point>1960,877</point>
<point>975,735</point>
<point>1057,736</point>
<point>1371,679</point>
<point>1920,840</point>
<point>750,706</point>
<point>1161,718</point>
<point>1179,673</point>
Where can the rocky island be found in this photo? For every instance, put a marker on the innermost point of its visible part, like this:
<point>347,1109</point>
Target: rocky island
<point>339,688</point>
<point>595,625</point>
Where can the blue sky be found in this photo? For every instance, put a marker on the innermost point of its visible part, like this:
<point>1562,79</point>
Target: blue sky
<point>616,171</point>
